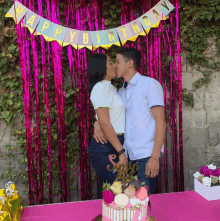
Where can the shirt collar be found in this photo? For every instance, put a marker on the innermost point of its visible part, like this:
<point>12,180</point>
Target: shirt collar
<point>134,80</point>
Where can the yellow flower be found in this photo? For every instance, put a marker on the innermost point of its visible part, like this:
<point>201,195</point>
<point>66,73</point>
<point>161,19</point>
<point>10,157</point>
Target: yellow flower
<point>2,192</point>
<point>13,187</point>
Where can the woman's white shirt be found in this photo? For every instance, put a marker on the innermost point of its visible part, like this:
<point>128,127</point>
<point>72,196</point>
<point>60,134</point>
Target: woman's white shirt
<point>104,94</point>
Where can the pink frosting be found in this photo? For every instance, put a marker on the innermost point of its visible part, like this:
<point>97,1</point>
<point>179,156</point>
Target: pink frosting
<point>112,204</point>
<point>136,215</point>
<point>135,218</point>
<point>106,219</point>
<point>146,205</point>
<point>129,205</point>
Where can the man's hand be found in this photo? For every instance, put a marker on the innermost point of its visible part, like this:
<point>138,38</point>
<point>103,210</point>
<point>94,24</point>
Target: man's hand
<point>98,133</point>
<point>152,168</point>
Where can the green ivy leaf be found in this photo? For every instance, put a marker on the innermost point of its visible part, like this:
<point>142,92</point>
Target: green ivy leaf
<point>10,102</point>
<point>9,147</point>
<point>217,16</point>
<point>209,17</point>
<point>18,132</point>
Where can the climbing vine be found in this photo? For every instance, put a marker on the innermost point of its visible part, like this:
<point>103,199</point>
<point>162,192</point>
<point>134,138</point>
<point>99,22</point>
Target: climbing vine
<point>200,35</point>
<point>200,20</point>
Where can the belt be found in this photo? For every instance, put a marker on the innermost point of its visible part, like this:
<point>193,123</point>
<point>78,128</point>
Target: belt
<point>120,133</point>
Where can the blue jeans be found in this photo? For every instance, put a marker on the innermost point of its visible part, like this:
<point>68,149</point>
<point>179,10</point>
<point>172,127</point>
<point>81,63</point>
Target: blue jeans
<point>99,158</point>
<point>150,182</point>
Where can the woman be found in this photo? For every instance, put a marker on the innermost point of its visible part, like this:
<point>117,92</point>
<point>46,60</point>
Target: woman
<point>110,112</point>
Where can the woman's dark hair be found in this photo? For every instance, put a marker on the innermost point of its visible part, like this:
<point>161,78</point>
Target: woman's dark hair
<point>131,53</point>
<point>96,69</point>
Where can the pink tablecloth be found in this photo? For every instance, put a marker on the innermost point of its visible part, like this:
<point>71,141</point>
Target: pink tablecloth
<point>183,206</point>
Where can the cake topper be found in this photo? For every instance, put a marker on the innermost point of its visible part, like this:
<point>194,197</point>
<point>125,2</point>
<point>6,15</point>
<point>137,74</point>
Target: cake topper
<point>122,169</point>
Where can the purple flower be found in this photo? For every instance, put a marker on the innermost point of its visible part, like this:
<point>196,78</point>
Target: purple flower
<point>211,172</point>
<point>216,172</point>
<point>108,196</point>
<point>206,173</point>
<point>203,169</point>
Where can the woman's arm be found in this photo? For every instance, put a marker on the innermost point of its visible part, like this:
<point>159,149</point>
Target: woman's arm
<point>109,132</point>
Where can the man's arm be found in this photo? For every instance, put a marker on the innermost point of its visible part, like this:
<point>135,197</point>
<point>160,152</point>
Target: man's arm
<point>99,134</point>
<point>152,166</point>
<point>159,116</point>
<point>104,121</point>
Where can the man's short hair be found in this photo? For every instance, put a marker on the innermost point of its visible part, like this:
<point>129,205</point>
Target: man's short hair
<point>131,53</point>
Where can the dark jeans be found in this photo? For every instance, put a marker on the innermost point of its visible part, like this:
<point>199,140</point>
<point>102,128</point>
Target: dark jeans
<point>150,182</point>
<point>99,158</point>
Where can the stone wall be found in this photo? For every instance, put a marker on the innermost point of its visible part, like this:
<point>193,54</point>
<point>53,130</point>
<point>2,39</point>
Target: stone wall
<point>201,124</point>
<point>6,139</point>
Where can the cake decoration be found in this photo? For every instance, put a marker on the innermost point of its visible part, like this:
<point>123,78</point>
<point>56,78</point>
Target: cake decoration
<point>129,205</point>
<point>121,199</point>
<point>127,198</point>
<point>142,193</point>
<point>116,187</point>
<point>136,184</point>
<point>108,196</point>
<point>135,202</point>
<point>130,191</point>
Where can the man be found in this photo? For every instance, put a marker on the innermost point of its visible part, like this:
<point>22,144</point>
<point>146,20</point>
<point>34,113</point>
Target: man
<point>145,119</point>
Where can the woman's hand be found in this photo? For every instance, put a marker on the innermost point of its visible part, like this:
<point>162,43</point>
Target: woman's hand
<point>122,159</point>
<point>98,133</point>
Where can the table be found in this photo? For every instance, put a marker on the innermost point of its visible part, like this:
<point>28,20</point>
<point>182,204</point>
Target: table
<point>181,206</point>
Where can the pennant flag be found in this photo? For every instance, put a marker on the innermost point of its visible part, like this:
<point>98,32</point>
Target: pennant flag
<point>105,39</point>
<point>17,11</point>
<point>165,7</point>
<point>136,29</point>
<point>98,39</point>
<point>45,28</point>
<point>156,15</point>
<point>130,31</point>
<point>124,33</point>
<point>146,21</point>
<point>71,37</point>
<point>31,21</point>
<point>58,34</point>
<point>90,39</point>
<point>85,40</point>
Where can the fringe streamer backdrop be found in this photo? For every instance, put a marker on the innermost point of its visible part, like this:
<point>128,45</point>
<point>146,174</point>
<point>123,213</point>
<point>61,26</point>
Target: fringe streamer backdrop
<point>47,59</point>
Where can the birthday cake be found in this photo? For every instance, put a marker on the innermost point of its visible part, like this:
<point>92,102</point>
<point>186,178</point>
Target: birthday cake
<point>127,198</point>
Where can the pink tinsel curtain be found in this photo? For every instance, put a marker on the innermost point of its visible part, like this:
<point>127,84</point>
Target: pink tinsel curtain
<point>41,58</point>
<point>155,48</point>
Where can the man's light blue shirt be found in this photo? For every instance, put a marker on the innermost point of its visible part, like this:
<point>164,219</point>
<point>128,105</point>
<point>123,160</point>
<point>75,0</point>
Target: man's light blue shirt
<point>141,94</point>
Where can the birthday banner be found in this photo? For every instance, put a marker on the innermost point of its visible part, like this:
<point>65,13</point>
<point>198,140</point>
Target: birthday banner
<point>90,39</point>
